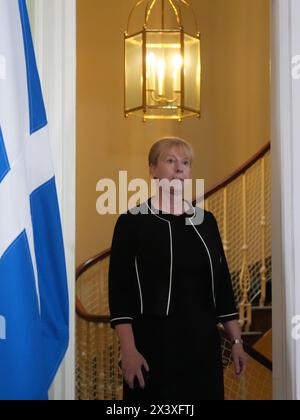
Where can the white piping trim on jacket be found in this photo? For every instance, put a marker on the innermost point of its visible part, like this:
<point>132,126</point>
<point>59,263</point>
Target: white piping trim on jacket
<point>123,317</point>
<point>167,213</point>
<point>171,252</point>
<point>210,261</point>
<point>139,284</point>
<point>171,268</point>
<point>225,316</point>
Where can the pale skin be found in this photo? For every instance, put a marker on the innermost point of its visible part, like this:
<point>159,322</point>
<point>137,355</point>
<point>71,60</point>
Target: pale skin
<point>173,165</point>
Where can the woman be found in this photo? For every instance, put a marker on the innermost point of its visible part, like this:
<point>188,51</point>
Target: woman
<point>169,287</point>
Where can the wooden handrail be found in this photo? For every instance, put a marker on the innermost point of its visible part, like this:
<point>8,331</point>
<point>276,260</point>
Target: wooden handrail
<point>92,261</point>
<point>86,316</point>
<point>239,171</point>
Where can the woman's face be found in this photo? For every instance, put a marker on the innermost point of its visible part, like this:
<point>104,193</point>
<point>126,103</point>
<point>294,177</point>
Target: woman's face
<point>174,165</point>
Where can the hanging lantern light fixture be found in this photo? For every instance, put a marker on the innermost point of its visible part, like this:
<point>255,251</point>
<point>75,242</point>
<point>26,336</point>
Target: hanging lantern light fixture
<point>162,65</point>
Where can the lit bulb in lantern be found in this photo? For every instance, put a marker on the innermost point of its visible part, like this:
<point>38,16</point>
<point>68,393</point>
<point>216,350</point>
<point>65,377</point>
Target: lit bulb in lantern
<point>151,66</point>
<point>161,70</point>
<point>177,65</point>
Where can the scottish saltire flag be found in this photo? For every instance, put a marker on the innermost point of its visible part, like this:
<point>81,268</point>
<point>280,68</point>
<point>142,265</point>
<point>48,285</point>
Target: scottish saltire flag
<point>33,287</point>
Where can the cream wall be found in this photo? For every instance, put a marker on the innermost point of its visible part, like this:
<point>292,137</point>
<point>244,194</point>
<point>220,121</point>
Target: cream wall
<point>235,103</point>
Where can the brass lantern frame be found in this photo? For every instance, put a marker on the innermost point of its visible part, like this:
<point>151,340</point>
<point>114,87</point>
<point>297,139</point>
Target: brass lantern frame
<point>183,111</point>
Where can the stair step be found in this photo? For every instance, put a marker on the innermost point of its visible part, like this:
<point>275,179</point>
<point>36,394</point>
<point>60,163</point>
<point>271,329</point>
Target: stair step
<point>264,346</point>
<point>261,318</point>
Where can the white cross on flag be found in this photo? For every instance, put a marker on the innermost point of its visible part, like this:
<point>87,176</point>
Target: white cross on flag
<point>33,283</point>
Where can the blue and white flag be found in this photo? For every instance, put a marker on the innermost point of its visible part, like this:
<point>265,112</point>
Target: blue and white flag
<point>33,285</point>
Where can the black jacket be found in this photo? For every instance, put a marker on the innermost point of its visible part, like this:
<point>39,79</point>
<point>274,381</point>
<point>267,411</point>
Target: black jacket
<point>141,266</point>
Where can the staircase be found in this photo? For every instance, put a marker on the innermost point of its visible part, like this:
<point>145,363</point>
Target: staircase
<point>242,207</point>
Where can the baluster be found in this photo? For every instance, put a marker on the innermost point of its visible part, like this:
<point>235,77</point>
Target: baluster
<point>245,280</point>
<point>225,222</point>
<point>263,270</point>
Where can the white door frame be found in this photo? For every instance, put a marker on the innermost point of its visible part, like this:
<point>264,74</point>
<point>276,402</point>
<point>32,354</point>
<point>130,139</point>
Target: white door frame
<point>285,17</point>
<point>55,37</point>
<point>54,33</point>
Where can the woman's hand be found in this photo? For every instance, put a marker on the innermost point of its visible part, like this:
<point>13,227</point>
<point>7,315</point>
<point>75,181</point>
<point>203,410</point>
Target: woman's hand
<point>132,363</point>
<point>239,358</point>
